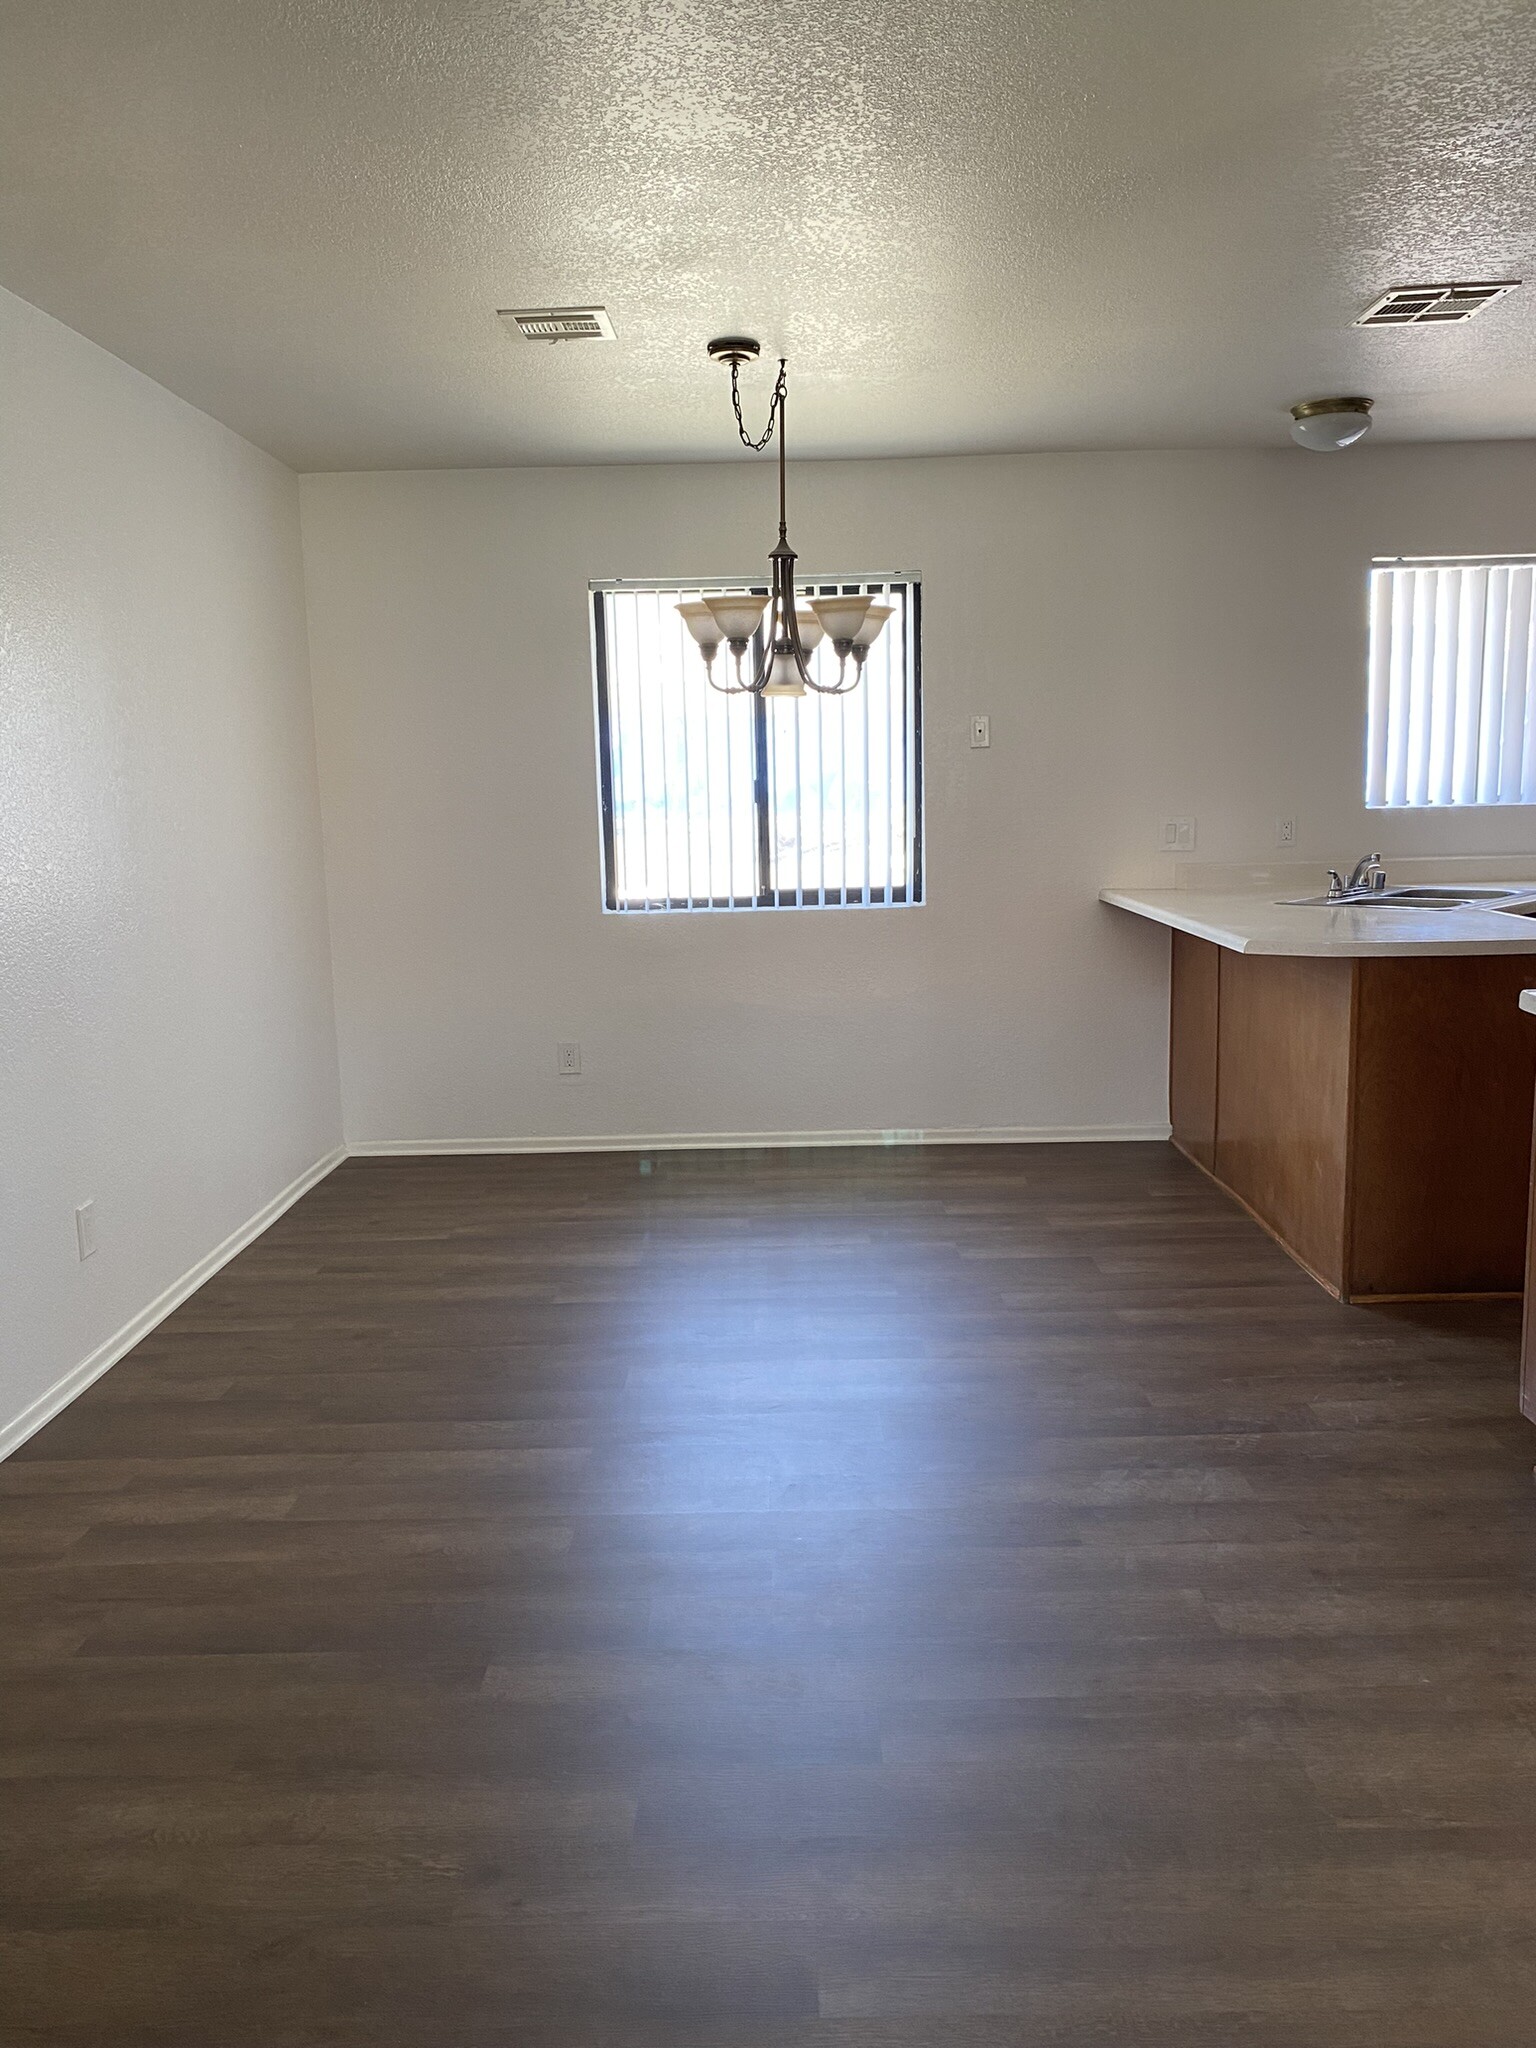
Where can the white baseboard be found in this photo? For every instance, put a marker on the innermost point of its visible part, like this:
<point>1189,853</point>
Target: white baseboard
<point>718,1141</point>
<point>62,1392</point>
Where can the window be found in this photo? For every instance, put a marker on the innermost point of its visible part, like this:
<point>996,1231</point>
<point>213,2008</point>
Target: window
<point>712,802</point>
<point>1451,716</point>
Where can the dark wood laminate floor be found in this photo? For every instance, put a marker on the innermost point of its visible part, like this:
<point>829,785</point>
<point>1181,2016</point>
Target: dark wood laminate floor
<point>845,1600</point>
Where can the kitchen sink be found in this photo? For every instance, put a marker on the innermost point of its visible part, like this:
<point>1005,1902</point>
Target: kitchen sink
<point>1450,892</point>
<point>1430,896</point>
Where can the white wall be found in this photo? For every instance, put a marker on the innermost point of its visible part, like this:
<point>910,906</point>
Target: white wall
<point>166,1036</point>
<point>1150,634</point>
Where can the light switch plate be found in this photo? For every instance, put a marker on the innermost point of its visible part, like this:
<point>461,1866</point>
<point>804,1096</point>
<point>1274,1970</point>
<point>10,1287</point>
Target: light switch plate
<point>85,1229</point>
<point>1178,835</point>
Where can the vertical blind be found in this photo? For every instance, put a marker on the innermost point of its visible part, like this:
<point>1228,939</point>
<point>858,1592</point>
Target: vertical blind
<point>1451,716</point>
<point>714,802</point>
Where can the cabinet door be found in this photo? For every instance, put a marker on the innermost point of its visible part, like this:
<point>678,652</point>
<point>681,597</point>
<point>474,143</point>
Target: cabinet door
<point>1283,1139</point>
<point>1528,1331</point>
<point>1445,1069</point>
<point>1193,1024</point>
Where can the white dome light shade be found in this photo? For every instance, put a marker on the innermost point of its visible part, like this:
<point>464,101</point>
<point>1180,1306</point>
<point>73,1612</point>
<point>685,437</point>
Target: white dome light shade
<point>737,617</point>
<point>841,617</point>
<point>783,678</point>
<point>700,621</point>
<point>811,631</point>
<point>1328,424</point>
<point>874,619</point>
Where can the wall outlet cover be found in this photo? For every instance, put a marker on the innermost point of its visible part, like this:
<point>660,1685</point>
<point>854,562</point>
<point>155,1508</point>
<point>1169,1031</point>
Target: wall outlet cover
<point>981,732</point>
<point>1285,831</point>
<point>568,1057</point>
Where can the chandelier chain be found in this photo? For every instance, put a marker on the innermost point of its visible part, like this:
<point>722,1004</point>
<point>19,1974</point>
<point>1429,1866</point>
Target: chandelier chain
<point>775,405</point>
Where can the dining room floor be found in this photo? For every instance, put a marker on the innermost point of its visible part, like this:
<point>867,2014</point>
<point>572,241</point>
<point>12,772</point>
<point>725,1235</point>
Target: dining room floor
<point>876,1598</point>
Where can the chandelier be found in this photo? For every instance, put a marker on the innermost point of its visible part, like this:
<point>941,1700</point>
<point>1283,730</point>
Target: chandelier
<point>790,636</point>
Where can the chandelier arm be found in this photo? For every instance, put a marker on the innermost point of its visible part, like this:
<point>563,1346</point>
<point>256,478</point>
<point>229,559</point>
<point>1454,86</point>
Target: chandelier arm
<point>762,666</point>
<point>738,688</point>
<point>782,634</point>
<point>841,688</point>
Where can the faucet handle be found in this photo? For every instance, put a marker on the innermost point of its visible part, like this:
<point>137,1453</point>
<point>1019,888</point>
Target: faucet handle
<point>1335,882</point>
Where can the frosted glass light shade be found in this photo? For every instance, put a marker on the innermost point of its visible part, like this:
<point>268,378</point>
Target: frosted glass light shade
<point>783,678</point>
<point>737,617</point>
<point>1329,424</point>
<point>812,632</point>
<point>700,621</point>
<point>874,619</point>
<point>841,617</point>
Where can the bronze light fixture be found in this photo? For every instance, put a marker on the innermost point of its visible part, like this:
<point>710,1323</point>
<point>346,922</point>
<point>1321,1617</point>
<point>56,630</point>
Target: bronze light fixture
<point>1328,424</point>
<point>791,636</point>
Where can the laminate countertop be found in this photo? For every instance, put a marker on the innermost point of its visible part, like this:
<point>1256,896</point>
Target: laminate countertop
<point>1250,922</point>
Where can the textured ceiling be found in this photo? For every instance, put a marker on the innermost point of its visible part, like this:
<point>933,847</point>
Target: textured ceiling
<point>972,224</point>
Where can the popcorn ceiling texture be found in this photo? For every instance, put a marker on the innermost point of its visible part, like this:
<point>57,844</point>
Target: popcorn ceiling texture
<point>990,226</point>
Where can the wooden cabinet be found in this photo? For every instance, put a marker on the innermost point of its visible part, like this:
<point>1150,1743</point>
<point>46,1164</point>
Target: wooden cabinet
<point>1528,1327</point>
<point>1374,1115</point>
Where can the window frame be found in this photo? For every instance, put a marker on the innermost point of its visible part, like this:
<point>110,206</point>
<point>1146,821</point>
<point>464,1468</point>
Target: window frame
<point>1376,756</point>
<point>909,895</point>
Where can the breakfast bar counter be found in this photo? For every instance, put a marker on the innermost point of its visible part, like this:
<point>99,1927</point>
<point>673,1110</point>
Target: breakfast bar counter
<point>1249,922</point>
<point>1360,1079</point>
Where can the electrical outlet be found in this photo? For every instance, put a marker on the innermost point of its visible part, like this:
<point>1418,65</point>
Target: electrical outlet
<point>568,1057</point>
<point>85,1229</point>
<point>1285,831</point>
<point>981,732</point>
<point>1178,835</point>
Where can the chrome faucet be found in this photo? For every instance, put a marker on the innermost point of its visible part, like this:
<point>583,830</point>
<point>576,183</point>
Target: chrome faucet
<point>1369,879</point>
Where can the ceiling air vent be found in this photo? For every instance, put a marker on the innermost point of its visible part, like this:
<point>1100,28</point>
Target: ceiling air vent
<point>559,323</point>
<point>1420,305</point>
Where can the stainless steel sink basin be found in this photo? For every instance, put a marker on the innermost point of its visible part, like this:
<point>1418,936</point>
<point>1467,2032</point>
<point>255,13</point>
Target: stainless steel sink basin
<point>1430,896</point>
<point>1450,892</point>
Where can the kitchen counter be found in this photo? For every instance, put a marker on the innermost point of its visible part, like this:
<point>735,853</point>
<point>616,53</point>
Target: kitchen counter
<point>1249,922</point>
<point>1361,1085</point>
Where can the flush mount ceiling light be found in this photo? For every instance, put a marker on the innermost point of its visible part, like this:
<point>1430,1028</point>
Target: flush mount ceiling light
<point>789,638</point>
<point>558,323</point>
<point>1424,305</point>
<point>1328,424</point>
